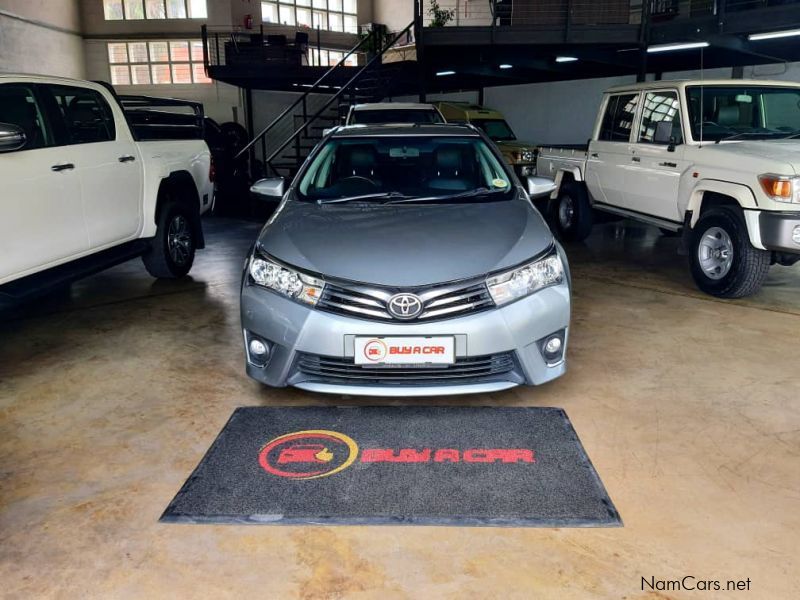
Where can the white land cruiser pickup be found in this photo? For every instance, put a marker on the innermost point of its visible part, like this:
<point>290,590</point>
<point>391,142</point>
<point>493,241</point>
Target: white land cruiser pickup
<point>81,190</point>
<point>717,161</point>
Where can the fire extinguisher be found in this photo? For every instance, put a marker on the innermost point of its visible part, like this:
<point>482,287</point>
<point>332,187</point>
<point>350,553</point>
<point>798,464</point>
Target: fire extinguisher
<point>248,21</point>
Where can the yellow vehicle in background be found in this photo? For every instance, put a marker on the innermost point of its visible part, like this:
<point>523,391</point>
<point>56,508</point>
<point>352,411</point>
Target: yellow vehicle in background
<point>520,155</point>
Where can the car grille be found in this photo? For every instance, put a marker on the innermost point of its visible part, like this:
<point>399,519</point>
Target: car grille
<point>368,302</point>
<point>464,370</point>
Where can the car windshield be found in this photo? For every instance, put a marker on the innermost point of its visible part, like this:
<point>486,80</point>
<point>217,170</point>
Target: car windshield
<point>497,129</point>
<point>405,168</point>
<point>395,115</point>
<point>718,113</point>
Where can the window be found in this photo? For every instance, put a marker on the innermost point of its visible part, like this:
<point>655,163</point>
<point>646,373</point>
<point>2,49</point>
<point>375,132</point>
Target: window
<point>331,15</point>
<point>157,62</point>
<point>661,119</point>
<point>329,58</point>
<point>19,107</point>
<point>618,118</point>
<point>87,116</point>
<point>117,10</point>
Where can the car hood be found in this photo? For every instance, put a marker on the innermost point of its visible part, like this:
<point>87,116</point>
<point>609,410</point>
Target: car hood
<point>405,245</point>
<point>779,151</point>
<point>512,149</point>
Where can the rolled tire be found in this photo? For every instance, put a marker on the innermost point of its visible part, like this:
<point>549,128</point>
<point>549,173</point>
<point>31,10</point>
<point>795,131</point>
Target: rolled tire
<point>723,262</point>
<point>172,250</point>
<point>571,213</point>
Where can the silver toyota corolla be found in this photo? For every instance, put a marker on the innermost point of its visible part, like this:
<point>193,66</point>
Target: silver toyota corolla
<point>405,261</point>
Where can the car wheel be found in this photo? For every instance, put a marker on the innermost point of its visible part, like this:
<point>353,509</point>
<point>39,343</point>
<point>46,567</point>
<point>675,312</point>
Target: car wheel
<point>723,262</point>
<point>171,252</point>
<point>571,213</point>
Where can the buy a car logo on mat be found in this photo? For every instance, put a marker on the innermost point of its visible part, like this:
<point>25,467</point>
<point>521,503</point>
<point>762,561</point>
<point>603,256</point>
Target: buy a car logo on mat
<point>318,453</point>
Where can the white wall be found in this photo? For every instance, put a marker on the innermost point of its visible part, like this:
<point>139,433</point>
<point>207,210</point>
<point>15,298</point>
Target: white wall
<point>41,36</point>
<point>395,14</point>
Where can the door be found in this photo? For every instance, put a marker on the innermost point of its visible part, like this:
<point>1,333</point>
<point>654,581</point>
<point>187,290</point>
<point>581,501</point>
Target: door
<point>108,164</point>
<point>657,162</point>
<point>611,151</point>
<point>41,217</point>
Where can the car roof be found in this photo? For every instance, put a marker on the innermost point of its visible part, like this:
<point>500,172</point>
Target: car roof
<point>405,129</point>
<point>681,83</point>
<point>394,106</point>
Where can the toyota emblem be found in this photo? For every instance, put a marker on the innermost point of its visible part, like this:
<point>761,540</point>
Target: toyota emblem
<point>405,306</point>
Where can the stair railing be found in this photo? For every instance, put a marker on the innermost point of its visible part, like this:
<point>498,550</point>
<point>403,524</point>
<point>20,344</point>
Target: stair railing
<point>302,99</point>
<point>343,89</point>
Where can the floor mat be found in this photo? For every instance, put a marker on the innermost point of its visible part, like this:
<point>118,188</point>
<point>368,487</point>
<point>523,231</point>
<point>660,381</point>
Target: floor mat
<point>396,465</point>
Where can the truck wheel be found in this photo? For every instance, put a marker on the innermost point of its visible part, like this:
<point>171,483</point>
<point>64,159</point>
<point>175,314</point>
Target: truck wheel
<point>571,213</point>
<point>724,263</point>
<point>171,252</point>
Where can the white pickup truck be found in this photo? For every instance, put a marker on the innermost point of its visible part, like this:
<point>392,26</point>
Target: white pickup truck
<point>717,161</point>
<point>82,190</point>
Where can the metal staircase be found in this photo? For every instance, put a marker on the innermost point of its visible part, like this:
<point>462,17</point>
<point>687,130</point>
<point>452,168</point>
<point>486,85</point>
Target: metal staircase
<point>285,143</point>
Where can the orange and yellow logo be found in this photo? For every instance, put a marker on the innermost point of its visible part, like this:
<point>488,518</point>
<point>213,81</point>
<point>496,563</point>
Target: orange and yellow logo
<point>308,454</point>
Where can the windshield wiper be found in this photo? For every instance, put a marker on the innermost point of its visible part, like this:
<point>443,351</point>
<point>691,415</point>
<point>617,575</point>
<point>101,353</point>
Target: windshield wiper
<point>742,134</point>
<point>470,194</point>
<point>363,197</point>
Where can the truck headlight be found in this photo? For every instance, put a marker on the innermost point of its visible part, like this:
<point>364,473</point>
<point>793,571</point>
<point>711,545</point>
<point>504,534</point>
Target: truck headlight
<point>527,279</point>
<point>286,281</point>
<point>780,188</point>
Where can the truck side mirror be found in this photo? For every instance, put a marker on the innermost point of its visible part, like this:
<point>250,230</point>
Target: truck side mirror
<point>272,187</point>
<point>539,187</point>
<point>12,137</point>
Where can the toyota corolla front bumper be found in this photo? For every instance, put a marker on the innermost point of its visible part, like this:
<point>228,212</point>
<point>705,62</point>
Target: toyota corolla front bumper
<point>495,349</point>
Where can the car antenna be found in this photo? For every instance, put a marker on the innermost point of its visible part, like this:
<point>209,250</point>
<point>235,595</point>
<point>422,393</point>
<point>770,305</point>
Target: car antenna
<point>702,90</point>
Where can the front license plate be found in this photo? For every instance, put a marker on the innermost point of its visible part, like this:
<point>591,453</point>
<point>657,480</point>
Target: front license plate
<point>405,350</point>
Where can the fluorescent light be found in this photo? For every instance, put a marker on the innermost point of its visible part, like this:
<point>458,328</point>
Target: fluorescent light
<point>754,37</point>
<point>506,66</point>
<point>670,47</point>
<point>444,73</point>
<point>565,59</point>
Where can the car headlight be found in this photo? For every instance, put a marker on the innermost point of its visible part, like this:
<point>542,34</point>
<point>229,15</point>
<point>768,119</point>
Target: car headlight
<point>527,279</point>
<point>781,188</point>
<point>286,281</point>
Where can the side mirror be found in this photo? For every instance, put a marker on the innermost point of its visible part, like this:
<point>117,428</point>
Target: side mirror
<point>272,187</point>
<point>12,137</point>
<point>539,187</point>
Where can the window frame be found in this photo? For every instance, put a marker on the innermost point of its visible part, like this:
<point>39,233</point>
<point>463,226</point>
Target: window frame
<point>634,119</point>
<point>151,62</point>
<point>62,136</point>
<point>643,106</point>
<point>187,4</point>
<point>313,10</point>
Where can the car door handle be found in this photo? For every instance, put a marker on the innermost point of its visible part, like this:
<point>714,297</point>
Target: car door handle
<point>62,167</point>
<point>127,158</point>
<point>636,159</point>
<point>594,155</point>
<point>668,164</point>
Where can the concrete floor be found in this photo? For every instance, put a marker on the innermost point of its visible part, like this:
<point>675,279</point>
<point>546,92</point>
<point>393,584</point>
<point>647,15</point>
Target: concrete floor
<point>688,406</point>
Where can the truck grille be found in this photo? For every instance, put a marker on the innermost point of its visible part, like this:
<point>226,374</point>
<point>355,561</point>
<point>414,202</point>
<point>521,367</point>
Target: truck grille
<point>465,369</point>
<point>440,302</point>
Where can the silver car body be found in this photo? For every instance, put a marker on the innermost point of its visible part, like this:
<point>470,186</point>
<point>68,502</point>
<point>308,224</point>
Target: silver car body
<point>441,253</point>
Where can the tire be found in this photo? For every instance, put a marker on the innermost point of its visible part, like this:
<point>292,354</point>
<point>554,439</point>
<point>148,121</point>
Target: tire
<point>723,262</point>
<point>571,213</point>
<point>171,252</point>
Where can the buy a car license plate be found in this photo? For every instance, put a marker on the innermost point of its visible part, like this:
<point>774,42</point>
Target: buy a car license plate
<point>405,350</point>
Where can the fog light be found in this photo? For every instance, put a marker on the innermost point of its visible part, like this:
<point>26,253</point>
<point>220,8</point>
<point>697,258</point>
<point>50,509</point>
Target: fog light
<point>258,349</point>
<point>796,234</point>
<point>553,346</point>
